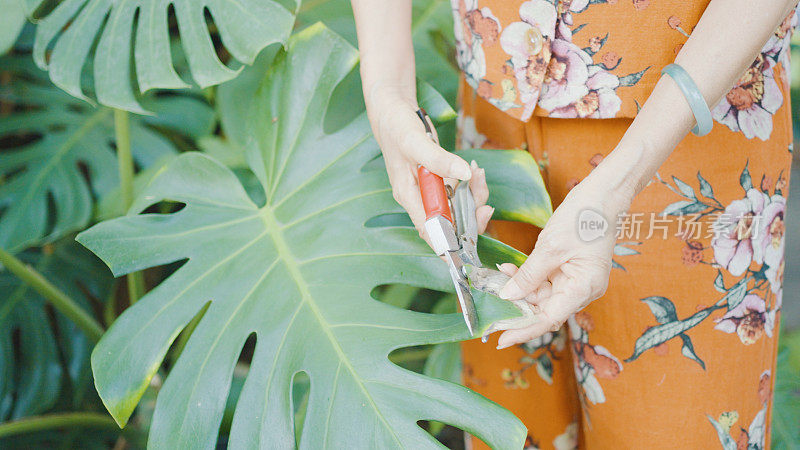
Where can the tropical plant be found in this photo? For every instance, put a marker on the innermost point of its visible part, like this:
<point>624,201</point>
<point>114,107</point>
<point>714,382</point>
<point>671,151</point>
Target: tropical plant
<point>304,264</point>
<point>303,216</point>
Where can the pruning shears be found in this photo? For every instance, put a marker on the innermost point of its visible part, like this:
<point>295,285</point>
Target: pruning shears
<point>452,227</point>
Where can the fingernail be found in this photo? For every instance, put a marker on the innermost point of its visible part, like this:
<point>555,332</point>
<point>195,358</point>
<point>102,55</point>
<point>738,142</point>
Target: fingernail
<point>510,291</point>
<point>498,267</point>
<point>491,213</point>
<point>502,346</point>
<point>473,164</point>
<point>461,171</point>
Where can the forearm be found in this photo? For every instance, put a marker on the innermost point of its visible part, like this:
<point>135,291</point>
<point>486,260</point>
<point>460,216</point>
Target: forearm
<point>726,40</point>
<point>385,46</point>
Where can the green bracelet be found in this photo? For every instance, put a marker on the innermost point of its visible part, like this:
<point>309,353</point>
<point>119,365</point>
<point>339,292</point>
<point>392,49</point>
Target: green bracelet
<point>702,115</point>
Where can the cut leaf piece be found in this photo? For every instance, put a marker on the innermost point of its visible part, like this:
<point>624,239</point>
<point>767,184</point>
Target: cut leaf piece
<point>245,27</point>
<point>297,272</point>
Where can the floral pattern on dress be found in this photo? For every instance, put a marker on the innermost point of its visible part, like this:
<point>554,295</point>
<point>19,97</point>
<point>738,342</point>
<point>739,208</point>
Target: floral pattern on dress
<point>749,106</point>
<point>527,42</point>
<point>526,56</point>
<point>475,28</point>
<point>748,247</point>
<point>590,361</point>
<point>575,85</point>
<point>544,67</point>
<point>539,353</point>
<point>754,437</point>
<point>568,440</point>
<point>468,135</point>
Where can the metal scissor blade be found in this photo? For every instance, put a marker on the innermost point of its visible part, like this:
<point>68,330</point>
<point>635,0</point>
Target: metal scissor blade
<point>466,223</point>
<point>456,267</point>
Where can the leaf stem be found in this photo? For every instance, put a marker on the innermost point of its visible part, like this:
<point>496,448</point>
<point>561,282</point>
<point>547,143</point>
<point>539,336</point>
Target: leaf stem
<point>122,129</point>
<point>60,301</point>
<point>61,420</point>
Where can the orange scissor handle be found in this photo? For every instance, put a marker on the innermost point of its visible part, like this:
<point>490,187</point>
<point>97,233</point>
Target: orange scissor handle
<point>434,195</point>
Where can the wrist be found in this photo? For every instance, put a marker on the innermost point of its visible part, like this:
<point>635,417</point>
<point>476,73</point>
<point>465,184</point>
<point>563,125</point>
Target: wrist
<point>619,177</point>
<point>384,100</point>
<point>384,81</point>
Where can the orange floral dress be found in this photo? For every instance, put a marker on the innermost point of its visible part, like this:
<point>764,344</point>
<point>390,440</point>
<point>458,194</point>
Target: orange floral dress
<point>680,352</point>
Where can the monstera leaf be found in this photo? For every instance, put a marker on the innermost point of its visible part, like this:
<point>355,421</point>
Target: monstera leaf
<point>434,45</point>
<point>11,22</point>
<point>296,273</point>
<point>71,29</point>
<point>32,378</point>
<point>53,140</point>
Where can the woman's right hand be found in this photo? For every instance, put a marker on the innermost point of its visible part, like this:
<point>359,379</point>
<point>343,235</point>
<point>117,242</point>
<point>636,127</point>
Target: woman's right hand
<point>405,146</point>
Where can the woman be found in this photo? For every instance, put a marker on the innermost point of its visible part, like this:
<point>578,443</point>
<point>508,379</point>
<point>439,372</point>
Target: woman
<point>670,318</point>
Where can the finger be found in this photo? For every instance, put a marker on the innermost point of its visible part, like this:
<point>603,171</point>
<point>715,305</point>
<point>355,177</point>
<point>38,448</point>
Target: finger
<point>544,291</point>
<point>510,269</point>
<point>477,184</point>
<point>406,192</point>
<point>483,214</point>
<point>522,335</point>
<point>553,314</point>
<point>436,159</point>
<point>557,308</point>
<point>507,268</point>
<point>531,274</point>
<point>536,297</point>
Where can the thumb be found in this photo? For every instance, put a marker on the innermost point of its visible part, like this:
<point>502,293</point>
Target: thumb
<point>530,275</point>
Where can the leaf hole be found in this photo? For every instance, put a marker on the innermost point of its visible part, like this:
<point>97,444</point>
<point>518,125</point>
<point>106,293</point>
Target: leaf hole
<point>179,344</point>
<point>44,9</point>
<point>164,207</point>
<point>412,358</point>
<point>86,78</point>
<point>451,437</point>
<point>251,185</point>
<point>216,41</point>
<point>19,139</point>
<point>376,163</point>
<point>346,103</point>
<point>50,212</point>
<point>389,220</point>
<point>240,373</point>
<point>133,79</point>
<point>415,298</point>
<point>301,391</point>
<point>177,54</point>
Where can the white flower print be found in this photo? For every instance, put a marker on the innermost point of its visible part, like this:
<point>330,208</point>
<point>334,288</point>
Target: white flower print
<point>474,27</point>
<point>568,440</point>
<point>468,134</point>
<point>526,43</point>
<point>748,107</point>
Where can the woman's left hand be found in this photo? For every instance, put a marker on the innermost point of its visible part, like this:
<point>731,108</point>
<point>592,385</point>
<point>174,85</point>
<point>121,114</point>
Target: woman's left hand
<point>569,266</point>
